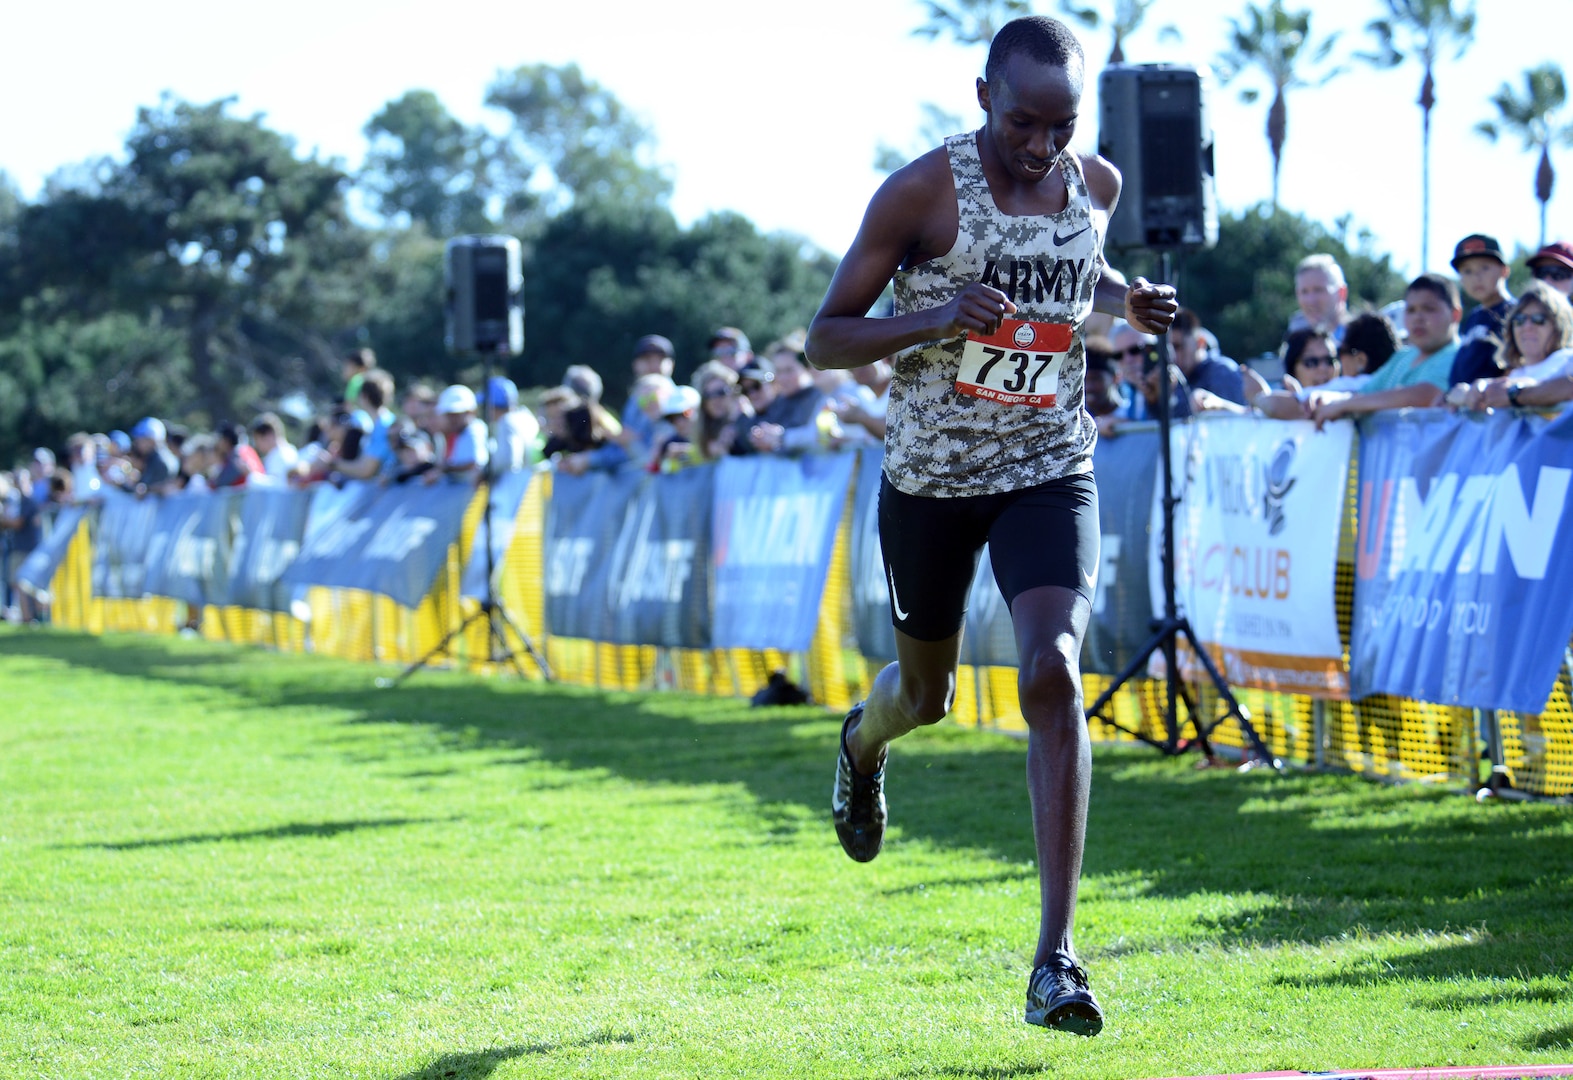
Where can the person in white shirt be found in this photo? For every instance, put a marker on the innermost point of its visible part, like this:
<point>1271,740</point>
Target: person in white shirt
<point>1537,355</point>
<point>279,456</point>
<point>464,454</point>
<point>516,434</point>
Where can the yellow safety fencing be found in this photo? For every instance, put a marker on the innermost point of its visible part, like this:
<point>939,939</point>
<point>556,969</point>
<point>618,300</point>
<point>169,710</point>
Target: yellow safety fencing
<point>1382,737</point>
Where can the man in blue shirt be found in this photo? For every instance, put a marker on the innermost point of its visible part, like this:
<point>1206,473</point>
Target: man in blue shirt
<point>1482,272</point>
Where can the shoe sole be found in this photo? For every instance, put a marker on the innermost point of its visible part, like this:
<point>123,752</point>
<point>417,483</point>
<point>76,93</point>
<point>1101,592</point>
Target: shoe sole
<point>1075,1018</point>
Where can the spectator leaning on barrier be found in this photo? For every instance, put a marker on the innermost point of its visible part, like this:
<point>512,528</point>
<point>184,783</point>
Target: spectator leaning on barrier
<point>720,404</point>
<point>413,448</point>
<point>1537,355</point>
<point>516,437</point>
<point>22,520</point>
<point>791,421</point>
<point>159,470</point>
<point>1208,377</point>
<point>585,381</point>
<point>238,459</point>
<point>679,446</point>
<point>1370,340</point>
<point>1553,264</point>
<point>1323,296</point>
<point>464,436</point>
<point>278,454</point>
<point>81,459</point>
<point>1482,273</point>
<point>198,463</point>
<point>653,355</point>
<point>1131,348</point>
<point>375,455</point>
<point>863,417</point>
<point>419,406</point>
<point>354,367</point>
<point>1416,376</point>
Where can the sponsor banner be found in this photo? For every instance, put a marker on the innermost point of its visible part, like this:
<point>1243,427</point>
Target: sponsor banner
<point>394,544</point>
<point>876,637</point>
<point>37,572</point>
<point>268,534</point>
<point>125,525</point>
<point>506,493</point>
<point>1464,562</point>
<point>188,552</point>
<point>1256,548</point>
<point>582,526</point>
<point>1122,610</point>
<point>658,580</point>
<point>775,529</point>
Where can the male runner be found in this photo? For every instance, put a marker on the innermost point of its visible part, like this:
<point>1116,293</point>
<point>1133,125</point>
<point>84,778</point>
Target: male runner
<point>988,440</point>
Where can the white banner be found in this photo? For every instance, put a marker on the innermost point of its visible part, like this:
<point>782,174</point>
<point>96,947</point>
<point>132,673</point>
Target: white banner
<point>1261,503</point>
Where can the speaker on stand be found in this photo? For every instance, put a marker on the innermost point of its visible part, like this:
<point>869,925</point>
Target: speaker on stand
<point>1155,128</point>
<point>484,312</point>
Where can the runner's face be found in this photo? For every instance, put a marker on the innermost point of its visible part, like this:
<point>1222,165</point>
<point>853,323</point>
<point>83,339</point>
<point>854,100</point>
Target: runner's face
<point>1031,114</point>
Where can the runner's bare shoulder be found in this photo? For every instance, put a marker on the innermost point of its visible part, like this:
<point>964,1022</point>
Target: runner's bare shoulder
<point>1103,180</point>
<point>916,207</point>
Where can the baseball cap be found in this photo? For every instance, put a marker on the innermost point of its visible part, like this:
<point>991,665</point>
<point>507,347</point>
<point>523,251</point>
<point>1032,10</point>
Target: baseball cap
<point>732,334</point>
<point>149,427</point>
<point>1477,244</point>
<point>1559,252</point>
<point>120,440</point>
<point>759,370</point>
<point>501,393</point>
<point>456,399</point>
<point>678,399</point>
<point>654,343</point>
<point>45,457</point>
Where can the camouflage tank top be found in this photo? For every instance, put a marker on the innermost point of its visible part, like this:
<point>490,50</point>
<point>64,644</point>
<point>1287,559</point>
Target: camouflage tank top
<point>978,416</point>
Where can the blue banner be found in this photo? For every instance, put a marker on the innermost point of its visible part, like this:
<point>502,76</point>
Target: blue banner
<point>120,546</point>
<point>188,551</point>
<point>1465,559</point>
<point>505,494</point>
<point>582,526</point>
<point>876,637</point>
<point>393,545</point>
<point>659,571</point>
<point>775,529</point>
<point>37,572</point>
<point>267,538</point>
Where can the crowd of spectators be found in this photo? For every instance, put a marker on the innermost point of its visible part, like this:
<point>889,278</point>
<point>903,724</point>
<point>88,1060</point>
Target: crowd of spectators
<point>1419,352</point>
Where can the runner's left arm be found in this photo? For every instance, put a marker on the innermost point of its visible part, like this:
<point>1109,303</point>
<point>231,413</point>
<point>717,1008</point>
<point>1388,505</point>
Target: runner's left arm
<point>1148,307</point>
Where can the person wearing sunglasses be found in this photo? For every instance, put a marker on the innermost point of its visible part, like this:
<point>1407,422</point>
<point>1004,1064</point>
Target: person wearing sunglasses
<point>1370,340</point>
<point>1553,264</point>
<point>1537,354</point>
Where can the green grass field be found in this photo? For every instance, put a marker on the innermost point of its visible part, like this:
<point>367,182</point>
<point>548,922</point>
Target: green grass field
<point>217,862</point>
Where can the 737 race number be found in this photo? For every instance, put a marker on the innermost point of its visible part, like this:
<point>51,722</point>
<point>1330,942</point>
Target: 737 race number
<point>1018,365</point>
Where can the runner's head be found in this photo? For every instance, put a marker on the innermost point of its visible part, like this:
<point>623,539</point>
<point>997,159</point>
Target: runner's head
<point>1031,93</point>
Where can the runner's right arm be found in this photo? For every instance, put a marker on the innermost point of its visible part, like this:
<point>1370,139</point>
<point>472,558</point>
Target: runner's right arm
<point>899,228</point>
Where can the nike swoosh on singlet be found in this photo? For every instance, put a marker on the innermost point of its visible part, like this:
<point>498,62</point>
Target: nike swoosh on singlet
<point>894,602</point>
<point>1059,240</point>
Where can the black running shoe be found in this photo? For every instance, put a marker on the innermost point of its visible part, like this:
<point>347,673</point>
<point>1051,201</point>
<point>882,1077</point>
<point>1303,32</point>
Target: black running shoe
<point>857,803</point>
<point>1059,998</point>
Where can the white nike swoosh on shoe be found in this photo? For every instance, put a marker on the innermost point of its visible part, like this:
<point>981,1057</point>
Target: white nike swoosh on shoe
<point>894,602</point>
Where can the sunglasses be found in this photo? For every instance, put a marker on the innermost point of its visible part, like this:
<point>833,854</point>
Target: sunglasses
<point>1134,350</point>
<point>751,388</point>
<point>1552,273</point>
<point>1539,318</point>
<point>718,392</point>
<point>1316,361</point>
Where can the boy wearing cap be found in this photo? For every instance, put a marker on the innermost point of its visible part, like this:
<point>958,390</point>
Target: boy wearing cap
<point>159,468</point>
<point>1553,264</point>
<point>1482,273</point>
<point>464,436</point>
<point>516,436</point>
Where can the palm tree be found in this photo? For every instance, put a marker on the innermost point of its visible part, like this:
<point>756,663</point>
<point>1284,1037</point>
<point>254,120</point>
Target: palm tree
<point>1275,41</point>
<point>1428,29</point>
<point>975,22</point>
<point>1530,118</point>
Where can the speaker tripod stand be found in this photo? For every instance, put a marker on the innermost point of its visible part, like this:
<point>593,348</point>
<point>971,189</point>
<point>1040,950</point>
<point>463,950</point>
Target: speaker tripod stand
<point>1172,626</point>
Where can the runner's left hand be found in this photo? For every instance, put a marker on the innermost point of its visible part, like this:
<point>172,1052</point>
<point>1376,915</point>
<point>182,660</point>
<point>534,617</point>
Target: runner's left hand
<point>1150,308</point>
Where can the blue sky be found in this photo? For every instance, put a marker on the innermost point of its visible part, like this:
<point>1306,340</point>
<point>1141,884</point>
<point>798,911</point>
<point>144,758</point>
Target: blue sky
<point>775,114</point>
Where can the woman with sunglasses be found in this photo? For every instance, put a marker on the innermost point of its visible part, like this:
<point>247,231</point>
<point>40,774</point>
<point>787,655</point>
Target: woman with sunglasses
<point>720,405</point>
<point>1538,350</point>
<point>1370,339</point>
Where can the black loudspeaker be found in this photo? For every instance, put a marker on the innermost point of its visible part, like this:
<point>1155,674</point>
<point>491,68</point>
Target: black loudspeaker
<point>485,280</point>
<point>1155,126</point>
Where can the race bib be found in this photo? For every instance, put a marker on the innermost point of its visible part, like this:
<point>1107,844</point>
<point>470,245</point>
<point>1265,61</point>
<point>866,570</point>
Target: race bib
<point>1018,365</point>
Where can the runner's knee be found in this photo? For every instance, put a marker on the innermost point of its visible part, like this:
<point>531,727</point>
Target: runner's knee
<point>929,702</point>
<point>1050,682</point>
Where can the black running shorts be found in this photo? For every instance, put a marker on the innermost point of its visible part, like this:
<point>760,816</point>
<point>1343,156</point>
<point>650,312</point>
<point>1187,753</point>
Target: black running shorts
<point>1044,535</point>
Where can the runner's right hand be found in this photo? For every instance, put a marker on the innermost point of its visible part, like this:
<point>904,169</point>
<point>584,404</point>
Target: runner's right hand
<point>976,309</point>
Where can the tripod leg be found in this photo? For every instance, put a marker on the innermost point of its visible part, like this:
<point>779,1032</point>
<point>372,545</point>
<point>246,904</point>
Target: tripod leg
<point>1127,673</point>
<point>497,626</point>
<point>441,646</point>
<point>1235,708</point>
<point>529,645</point>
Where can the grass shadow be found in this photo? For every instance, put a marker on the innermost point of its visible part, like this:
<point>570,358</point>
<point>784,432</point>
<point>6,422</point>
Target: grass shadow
<point>479,1064</point>
<point>1560,1038</point>
<point>277,832</point>
<point>1327,856</point>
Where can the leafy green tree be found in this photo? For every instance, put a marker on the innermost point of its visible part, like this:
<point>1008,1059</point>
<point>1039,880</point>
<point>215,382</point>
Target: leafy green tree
<point>937,125</point>
<point>1122,18</point>
<point>427,167</point>
<point>975,22</point>
<point>1277,43</point>
<point>1243,289</point>
<point>574,138</point>
<point>1423,30</point>
<point>1532,118</point>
